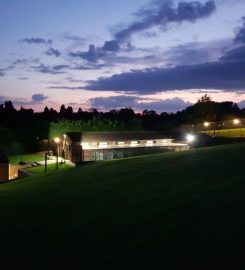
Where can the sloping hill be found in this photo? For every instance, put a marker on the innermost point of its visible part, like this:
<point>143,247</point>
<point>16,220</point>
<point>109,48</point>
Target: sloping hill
<point>164,211</point>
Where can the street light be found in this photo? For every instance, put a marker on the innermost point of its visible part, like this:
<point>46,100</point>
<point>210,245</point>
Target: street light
<point>238,122</point>
<point>190,138</point>
<point>206,124</point>
<point>57,141</point>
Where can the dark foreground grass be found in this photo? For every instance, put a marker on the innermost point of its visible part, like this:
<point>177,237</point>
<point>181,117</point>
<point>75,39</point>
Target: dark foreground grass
<point>168,211</point>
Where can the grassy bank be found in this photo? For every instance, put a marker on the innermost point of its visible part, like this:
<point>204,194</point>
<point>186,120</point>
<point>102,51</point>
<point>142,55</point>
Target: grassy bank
<point>164,211</point>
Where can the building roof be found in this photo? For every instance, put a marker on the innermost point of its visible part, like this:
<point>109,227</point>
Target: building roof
<point>114,136</point>
<point>3,158</point>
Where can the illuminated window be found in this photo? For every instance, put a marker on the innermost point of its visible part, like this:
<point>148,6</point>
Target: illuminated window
<point>85,145</point>
<point>103,144</point>
<point>120,143</point>
<point>149,143</point>
<point>134,143</point>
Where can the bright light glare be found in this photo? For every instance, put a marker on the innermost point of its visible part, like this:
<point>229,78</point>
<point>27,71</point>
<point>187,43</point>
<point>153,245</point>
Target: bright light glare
<point>236,121</point>
<point>206,124</point>
<point>57,139</point>
<point>190,138</point>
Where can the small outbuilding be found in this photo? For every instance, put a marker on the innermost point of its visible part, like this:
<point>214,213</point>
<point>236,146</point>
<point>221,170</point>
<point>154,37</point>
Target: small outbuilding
<point>81,147</point>
<point>4,168</point>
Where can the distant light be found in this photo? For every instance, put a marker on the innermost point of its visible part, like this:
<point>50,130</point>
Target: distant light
<point>57,140</point>
<point>236,121</point>
<point>190,138</point>
<point>206,124</point>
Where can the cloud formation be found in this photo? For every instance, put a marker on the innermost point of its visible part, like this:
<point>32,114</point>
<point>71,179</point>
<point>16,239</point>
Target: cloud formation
<point>2,72</point>
<point>217,75</point>
<point>37,41</point>
<point>138,103</point>
<point>38,97</point>
<point>72,37</point>
<point>240,37</point>
<point>161,13</point>
<point>58,69</point>
<point>53,52</point>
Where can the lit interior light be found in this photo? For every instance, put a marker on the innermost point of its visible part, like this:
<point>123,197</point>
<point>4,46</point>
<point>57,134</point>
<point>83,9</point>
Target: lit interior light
<point>120,143</point>
<point>190,138</point>
<point>149,143</point>
<point>134,143</point>
<point>103,144</point>
<point>206,124</point>
<point>85,145</point>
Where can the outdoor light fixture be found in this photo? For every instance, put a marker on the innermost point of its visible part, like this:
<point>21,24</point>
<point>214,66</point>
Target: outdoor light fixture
<point>57,140</point>
<point>206,124</point>
<point>236,121</point>
<point>190,138</point>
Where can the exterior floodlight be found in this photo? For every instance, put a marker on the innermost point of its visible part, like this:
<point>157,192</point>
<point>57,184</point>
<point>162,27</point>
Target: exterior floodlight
<point>206,124</point>
<point>57,140</point>
<point>190,138</point>
<point>236,121</point>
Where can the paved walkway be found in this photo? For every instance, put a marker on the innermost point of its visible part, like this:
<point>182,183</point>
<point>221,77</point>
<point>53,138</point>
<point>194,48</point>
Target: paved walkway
<point>53,160</point>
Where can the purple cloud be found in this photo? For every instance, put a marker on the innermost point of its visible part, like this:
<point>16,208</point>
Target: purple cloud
<point>37,41</point>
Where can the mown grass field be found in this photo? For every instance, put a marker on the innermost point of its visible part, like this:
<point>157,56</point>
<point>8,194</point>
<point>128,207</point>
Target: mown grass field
<point>236,132</point>
<point>35,157</point>
<point>51,168</point>
<point>165,211</point>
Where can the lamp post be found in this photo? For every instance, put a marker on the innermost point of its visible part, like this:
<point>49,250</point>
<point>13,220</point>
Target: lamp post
<point>237,122</point>
<point>57,141</point>
<point>190,138</point>
<point>206,125</point>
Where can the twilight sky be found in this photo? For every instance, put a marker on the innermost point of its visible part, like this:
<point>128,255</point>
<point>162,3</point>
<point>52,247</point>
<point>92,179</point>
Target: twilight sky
<point>144,54</point>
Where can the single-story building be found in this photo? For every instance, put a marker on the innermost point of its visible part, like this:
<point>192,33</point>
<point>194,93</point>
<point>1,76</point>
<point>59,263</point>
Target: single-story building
<point>81,147</point>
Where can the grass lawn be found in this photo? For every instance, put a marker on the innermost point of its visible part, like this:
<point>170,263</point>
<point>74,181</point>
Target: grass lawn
<point>236,132</point>
<point>165,211</point>
<point>35,157</point>
<point>50,168</point>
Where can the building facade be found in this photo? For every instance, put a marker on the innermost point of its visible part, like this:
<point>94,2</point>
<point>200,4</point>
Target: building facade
<point>93,146</point>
